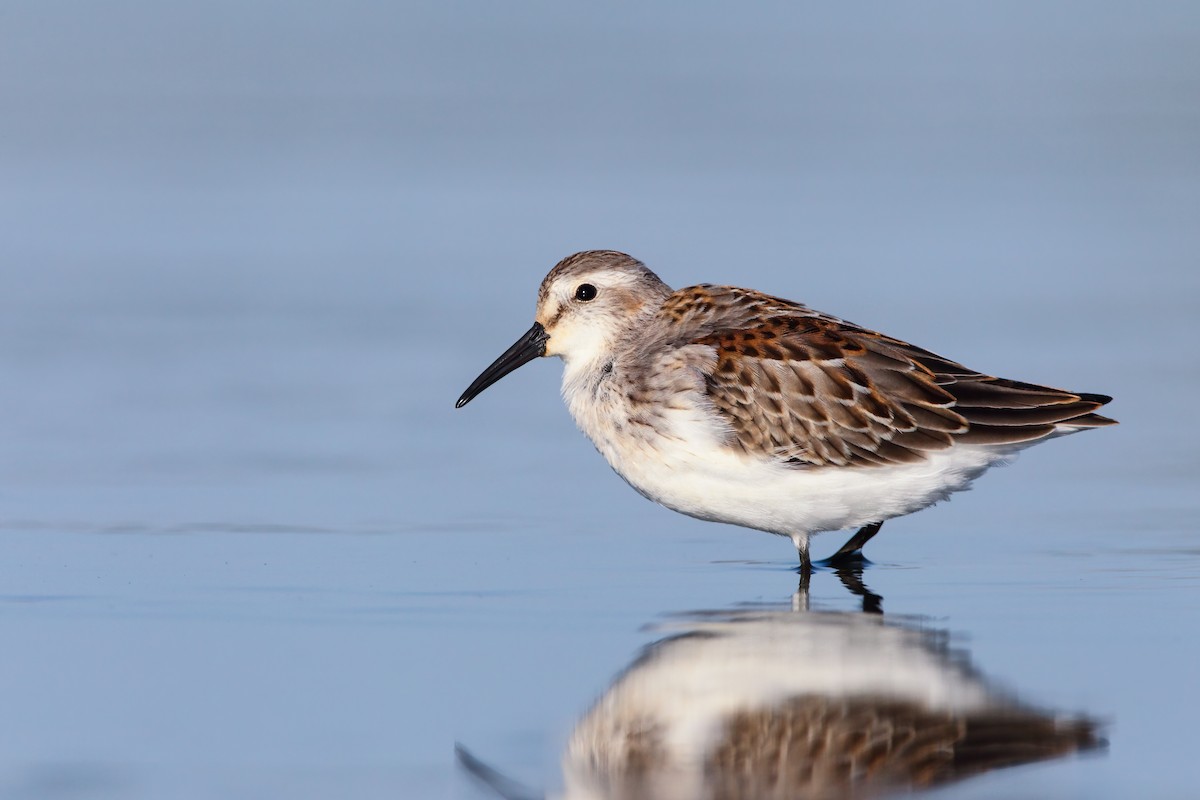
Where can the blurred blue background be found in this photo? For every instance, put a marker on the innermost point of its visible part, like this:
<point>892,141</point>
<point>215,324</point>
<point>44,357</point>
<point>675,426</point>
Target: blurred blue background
<point>252,252</point>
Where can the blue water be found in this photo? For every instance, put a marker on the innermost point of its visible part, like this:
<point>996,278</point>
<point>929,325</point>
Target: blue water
<point>252,254</point>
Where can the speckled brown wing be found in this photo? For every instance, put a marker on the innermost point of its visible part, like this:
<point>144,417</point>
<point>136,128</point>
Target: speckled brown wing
<point>814,390</point>
<point>822,747</point>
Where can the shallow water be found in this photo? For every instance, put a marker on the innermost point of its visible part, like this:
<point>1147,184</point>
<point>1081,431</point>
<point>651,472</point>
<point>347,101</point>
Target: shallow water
<point>252,255</point>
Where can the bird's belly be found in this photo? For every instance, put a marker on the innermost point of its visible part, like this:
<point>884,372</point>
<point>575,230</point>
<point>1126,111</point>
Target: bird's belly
<point>724,485</point>
<point>680,458</point>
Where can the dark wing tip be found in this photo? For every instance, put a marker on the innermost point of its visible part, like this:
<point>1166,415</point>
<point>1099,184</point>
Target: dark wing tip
<point>1093,420</point>
<point>1098,399</point>
<point>1003,411</point>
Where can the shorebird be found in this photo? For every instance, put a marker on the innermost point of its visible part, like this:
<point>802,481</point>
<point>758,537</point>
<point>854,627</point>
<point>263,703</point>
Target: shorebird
<point>731,405</point>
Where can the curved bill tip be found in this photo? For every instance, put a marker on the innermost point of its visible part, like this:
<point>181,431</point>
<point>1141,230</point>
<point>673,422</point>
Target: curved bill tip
<point>530,346</point>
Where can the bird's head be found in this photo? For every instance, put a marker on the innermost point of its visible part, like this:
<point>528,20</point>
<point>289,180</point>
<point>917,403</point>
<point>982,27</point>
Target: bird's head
<point>586,305</point>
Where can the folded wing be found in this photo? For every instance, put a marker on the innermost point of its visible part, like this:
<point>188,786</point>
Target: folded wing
<point>814,390</point>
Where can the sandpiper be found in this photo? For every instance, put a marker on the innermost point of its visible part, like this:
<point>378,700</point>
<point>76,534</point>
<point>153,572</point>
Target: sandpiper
<point>730,405</point>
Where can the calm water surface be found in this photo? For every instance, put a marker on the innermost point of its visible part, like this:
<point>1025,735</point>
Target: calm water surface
<point>252,255</point>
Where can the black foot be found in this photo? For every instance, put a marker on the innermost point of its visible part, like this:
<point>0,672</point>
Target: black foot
<point>851,560</point>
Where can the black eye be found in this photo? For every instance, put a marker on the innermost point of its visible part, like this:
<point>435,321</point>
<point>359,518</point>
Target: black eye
<point>585,292</point>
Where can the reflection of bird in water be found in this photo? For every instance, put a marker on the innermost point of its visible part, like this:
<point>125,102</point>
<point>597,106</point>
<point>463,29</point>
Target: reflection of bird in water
<point>812,705</point>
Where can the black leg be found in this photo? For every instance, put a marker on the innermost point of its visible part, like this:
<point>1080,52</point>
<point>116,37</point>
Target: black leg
<point>801,542</point>
<point>851,551</point>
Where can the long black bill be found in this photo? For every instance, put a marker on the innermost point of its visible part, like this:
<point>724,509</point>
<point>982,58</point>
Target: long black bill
<point>526,349</point>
